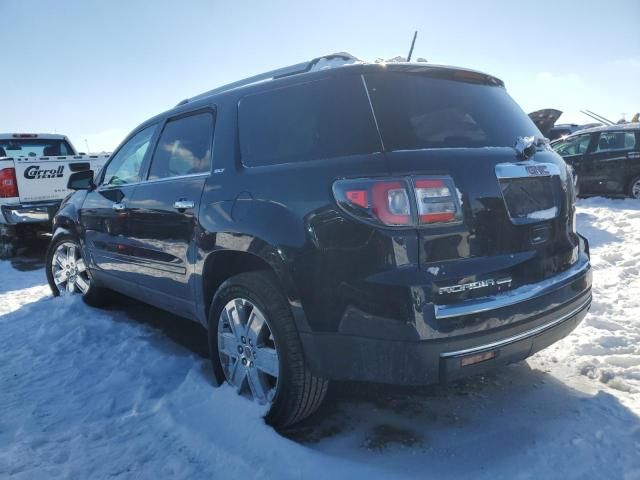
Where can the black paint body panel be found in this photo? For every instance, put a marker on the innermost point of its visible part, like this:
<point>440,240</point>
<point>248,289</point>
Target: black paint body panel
<point>357,291</point>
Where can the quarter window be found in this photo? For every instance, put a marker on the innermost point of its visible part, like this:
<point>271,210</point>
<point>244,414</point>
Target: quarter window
<point>184,147</point>
<point>616,141</point>
<point>315,120</point>
<point>125,166</point>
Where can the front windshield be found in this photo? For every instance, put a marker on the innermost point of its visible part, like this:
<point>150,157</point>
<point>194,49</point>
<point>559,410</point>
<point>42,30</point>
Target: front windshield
<point>34,147</point>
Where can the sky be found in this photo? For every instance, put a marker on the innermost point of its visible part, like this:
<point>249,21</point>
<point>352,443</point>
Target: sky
<point>95,69</point>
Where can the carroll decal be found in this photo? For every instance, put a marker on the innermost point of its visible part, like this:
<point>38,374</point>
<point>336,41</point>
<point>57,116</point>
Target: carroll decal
<point>35,172</point>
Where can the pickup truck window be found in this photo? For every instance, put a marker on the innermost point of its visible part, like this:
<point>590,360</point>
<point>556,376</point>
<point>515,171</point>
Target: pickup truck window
<point>32,147</point>
<point>184,147</point>
<point>126,165</point>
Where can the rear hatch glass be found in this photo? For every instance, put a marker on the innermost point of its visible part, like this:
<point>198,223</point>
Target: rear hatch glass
<point>416,111</point>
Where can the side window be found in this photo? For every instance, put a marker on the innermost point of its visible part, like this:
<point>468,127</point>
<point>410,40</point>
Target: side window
<point>126,164</point>
<point>314,120</point>
<point>184,147</point>
<point>573,146</point>
<point>610,141</point>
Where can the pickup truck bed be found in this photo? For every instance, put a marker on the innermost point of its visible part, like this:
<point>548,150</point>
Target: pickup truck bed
<point>41,185</point>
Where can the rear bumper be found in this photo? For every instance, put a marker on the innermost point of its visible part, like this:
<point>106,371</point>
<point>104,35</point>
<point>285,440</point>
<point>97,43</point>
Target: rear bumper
<point>342,357</point>
<point>443,347</point>
<point>29,213</point>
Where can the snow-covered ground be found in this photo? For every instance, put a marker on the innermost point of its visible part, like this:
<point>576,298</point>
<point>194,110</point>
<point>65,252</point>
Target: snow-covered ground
<point>126,393</point>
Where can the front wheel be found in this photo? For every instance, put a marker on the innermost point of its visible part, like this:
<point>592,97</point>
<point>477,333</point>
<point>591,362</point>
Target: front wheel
<point>256,349</point>
<point>634,188</point>
<point>67,271</point>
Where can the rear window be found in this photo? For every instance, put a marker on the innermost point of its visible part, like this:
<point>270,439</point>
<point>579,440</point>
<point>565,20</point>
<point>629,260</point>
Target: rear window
<point>21,147</point>
<point>416,111</point>
<point>315,120</point>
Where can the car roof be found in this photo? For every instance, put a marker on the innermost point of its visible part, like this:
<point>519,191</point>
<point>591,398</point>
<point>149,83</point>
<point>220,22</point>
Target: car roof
<point>326,66</point>
<point>607,128</point>
<point>23,136</point>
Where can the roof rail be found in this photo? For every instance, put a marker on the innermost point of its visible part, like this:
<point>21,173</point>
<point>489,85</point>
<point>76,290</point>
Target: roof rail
<point>296,69</point>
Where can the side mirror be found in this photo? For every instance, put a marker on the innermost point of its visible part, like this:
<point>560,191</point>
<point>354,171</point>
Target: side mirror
<point>81,180</point>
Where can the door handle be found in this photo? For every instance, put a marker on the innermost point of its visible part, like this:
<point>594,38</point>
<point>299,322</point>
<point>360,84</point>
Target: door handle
<point>118,206</point>
<point>183,204</point>
<point>633,155</point>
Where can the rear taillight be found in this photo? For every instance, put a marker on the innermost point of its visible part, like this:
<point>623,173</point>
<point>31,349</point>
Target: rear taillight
<point>436,199</point>
<point>400,202</point>
<point>8,183</point>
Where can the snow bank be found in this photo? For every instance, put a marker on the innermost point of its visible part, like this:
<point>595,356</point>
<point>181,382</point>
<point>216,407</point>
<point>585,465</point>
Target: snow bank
<point>88,393</point>
<point>606,348</point>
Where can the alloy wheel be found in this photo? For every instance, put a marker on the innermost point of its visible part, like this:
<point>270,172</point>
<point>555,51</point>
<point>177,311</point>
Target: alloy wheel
<point>247,351</point>
<point>635,189</point>
<point>69,270</point>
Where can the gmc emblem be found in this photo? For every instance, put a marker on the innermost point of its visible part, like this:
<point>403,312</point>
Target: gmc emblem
<point>537,170</point>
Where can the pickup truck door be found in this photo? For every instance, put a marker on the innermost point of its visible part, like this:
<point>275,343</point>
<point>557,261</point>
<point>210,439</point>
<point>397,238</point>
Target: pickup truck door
<point>164,211</point>
<point>574,151</point>
<point>104,215</point>
<point>611,161</point>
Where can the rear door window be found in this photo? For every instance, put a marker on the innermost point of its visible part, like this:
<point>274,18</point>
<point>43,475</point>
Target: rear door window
<point>309,121</point>
<point>184,147</point>
<point>416,110</point>
<point>612,141</point>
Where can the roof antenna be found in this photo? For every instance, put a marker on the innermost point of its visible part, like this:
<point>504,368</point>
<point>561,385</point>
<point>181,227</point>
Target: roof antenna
<point>413,42</point>
<point>596,117</point>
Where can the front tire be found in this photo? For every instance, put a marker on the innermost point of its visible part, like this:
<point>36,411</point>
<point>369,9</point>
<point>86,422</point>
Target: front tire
<point>67,272</point>
<point>634,188</point>
<point>255,348</point>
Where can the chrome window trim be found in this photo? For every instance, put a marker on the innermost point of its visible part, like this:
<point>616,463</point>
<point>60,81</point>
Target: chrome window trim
<point>156,180</point>
<point>512,297</point>
<point>521,336</point>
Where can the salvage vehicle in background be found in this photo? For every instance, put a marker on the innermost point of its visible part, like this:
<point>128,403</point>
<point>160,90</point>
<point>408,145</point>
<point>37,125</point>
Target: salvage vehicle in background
<point>34,170</point>
<point>606,159</point>
<point>398,223</point>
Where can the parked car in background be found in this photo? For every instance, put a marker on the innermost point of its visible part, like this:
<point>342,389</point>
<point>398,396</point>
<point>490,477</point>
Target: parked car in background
<point>396,223</point>
<point>606,159</point>
<point>34,169</point>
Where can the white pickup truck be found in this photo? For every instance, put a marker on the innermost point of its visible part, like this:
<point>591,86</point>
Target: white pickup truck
<point>34,170</point>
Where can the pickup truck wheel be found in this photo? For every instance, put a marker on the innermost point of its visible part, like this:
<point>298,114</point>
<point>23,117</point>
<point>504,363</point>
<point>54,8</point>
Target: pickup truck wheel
<point>67,272</point>
<point>634,188</point>
<point>7,248</point>
<point>255,348</point>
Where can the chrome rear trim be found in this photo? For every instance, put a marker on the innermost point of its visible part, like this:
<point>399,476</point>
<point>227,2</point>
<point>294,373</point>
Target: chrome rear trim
<point>521,336</point>
<point>511,297</point>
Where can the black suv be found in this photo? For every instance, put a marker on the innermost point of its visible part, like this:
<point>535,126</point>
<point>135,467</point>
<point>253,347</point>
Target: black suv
<point>606,159</point>
<point>395,223</point>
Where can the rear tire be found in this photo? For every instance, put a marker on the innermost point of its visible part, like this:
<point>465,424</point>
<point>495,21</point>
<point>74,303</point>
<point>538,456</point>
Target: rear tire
<point>634,188</point>
<point>297,392</point>
<point>70,274</point>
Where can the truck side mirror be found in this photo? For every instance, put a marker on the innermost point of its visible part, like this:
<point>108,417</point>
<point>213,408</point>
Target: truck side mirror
<point>81,180</point>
